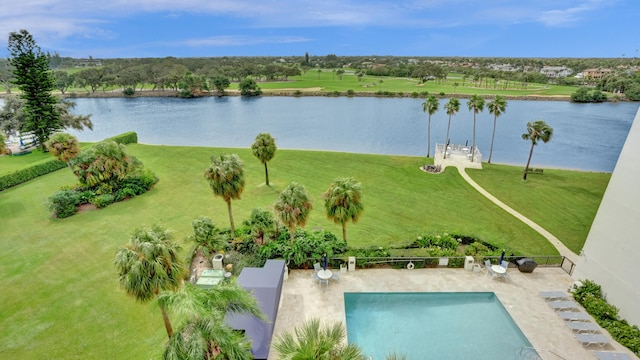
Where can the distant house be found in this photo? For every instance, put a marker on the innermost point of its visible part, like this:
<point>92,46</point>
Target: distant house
<point>596,73</point>
<point>553,72</point>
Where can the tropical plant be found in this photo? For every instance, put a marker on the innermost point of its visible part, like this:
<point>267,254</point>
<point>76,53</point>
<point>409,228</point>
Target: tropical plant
<point>63,203</point>
<point>293,207</point>
<point>343,202</point>
<point>148,265</point>
<point>430,106</point>
<point>204,334</point>
<point>475,104</point>
<point>206,235</point>
<point>104,163</point>
<point>536,131</point>
<point>36,81</point>
<point>261,224</point>
<point>64,147</point>
<point>452,107</point>
<point>264,148</point>
<point>226,178</point>
<point>313,342</point>
<point>496,107</point>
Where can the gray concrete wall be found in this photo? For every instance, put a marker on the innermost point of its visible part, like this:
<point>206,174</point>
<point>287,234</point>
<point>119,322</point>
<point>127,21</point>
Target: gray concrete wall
<point>611,254</point>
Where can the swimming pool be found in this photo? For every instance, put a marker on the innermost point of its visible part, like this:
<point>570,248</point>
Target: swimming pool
<point>473,325</point>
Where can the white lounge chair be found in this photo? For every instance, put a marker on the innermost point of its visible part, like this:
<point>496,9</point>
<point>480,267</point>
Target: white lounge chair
<point>592,339</point>
<point>610,355</point>
<point>583,326</point>
<point>554,295</point>
<point>564,305</point>
<point>574,316</point>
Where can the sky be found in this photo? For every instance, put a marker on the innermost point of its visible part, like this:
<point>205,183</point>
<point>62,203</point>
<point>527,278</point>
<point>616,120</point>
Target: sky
<point>190,28</point>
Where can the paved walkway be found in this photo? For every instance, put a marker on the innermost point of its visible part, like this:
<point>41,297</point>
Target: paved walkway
<point>303,299</point>
<point>461,164</point>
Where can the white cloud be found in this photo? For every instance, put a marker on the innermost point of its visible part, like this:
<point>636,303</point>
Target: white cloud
<point>572,14</point>
<point>217,41</point>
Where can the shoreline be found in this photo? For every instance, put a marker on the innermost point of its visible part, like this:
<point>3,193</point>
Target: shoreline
<point>291,93</point>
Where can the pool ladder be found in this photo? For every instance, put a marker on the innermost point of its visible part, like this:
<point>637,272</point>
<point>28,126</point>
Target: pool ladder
<point>529,353</point>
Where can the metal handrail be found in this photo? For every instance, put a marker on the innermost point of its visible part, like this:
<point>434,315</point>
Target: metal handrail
<point>455,261</point>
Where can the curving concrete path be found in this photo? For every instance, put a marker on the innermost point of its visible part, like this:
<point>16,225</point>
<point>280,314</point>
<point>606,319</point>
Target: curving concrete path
<point>460,161</point>
<point>552,239</point>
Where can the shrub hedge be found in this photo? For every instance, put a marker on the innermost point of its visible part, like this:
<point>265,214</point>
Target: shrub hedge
<point>32,172</point>
<point>130,137</point>
<point>29,173</point>
<point>589,295</point>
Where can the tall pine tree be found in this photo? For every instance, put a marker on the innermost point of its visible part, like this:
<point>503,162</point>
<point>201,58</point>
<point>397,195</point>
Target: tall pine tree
<point>36,82</point>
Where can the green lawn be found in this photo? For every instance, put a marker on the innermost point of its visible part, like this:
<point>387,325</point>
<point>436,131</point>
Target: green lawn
<point>563,202</point>
<point>327,81</point>
<point>59,293</point>
<point>9,164</point>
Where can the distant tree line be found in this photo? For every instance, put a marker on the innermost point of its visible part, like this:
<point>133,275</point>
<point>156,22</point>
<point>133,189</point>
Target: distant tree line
<point>193,76</point>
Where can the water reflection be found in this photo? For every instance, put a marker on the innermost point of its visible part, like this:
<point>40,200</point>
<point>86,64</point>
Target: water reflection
<point>587,136</point>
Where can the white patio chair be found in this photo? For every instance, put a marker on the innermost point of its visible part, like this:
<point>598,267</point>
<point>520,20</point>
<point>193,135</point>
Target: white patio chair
<point>314,276</point>
<point>487,266</point>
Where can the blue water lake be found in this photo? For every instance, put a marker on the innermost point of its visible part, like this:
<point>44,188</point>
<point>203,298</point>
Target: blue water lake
<point>587,136</point>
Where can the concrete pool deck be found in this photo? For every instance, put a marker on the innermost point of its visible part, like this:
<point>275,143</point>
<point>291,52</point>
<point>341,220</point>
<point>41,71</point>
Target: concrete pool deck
<point>303,299</point>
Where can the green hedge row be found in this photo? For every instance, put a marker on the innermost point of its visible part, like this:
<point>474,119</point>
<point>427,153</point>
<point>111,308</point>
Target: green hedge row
<point>32,172</point>
<point>130,137</point>
<point>589,295</point>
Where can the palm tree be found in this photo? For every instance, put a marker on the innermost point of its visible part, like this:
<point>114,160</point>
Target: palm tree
<point>226,178</point>
<point>64,147</point>
<point>343,202</point>
<point>537,130</point>
<point>206,236</point>
<point>497,108</point>
<point>430,106</point>
<point>475,104</point>
<point>312,342</point>
<point>150,263</point>
<point>452,107</point>
<point>204,334</point>
<point>293,207</point>
<point>264,148</point>
<point>106,161</point>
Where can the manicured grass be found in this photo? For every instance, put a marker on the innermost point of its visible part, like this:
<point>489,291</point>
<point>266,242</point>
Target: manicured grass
<point>59,291</point>
<point>563,202</point>
<point>327,81</point>
<point>9,164</point>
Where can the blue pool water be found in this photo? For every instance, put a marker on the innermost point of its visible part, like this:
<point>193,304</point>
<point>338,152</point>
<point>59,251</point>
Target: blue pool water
<point>472,325</point>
